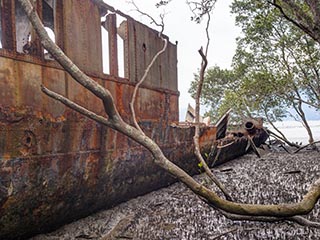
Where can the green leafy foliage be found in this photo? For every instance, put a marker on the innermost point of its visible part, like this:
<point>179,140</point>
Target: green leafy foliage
<point>276,67</point>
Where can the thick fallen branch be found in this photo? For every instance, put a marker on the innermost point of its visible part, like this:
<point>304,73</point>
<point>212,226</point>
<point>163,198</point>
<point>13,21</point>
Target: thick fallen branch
<point>297,219</point>
<point>281,210</point>
<point>115,121</point>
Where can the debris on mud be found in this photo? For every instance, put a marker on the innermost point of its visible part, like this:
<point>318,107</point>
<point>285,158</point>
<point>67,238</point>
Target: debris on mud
<point>176,213</point>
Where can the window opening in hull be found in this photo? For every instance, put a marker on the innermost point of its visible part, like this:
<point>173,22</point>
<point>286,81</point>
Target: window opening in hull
<point>48,7</point>
<point>23,30</point>
<point>121,21</point>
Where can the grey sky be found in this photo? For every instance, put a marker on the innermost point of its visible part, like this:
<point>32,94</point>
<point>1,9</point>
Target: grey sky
<point>191,37</point>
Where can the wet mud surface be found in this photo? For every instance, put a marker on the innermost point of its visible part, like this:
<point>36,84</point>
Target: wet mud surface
<point>176,213</point>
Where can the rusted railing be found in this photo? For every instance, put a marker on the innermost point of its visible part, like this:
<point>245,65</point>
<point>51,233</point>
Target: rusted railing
<point>97,37</point>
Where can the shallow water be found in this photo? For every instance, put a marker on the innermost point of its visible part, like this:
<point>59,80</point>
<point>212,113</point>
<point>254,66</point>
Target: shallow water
<point>176,213</point>
<point>295,131</point>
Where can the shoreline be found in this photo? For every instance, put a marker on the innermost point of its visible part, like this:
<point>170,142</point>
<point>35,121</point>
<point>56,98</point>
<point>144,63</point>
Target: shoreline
<point>295,132</point>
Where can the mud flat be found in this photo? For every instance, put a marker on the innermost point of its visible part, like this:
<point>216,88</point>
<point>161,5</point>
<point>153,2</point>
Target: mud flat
<point>175,213</point>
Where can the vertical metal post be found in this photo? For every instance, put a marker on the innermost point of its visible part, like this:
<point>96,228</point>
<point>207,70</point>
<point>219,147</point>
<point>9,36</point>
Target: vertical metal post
<point>8,36</point>
<point>37,47</point>
<point>113,44</point>
<point>58,23</point>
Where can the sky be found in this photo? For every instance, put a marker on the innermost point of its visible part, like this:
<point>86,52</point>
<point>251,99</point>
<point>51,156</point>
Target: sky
<point>190,37</point>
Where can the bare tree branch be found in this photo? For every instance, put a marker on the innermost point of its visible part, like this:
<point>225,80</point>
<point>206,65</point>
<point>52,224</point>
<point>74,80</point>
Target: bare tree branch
<point>299,18</point>
<point>283,139</point>
<point>67,64</point>
<point>76,107</point>
<point>147,70</point>
<point>310,144</point>
<point>153,21</point>
<point>115,121</point>
<point>165,41</point>
<point>307,102</point>
<point>297,219</point>
<point>196,137</point>
<point>200,8</point>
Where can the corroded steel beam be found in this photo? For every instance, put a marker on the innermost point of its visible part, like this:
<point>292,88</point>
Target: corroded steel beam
<point>8,35</point>
<point>111,21</point>
<point>56,165</point>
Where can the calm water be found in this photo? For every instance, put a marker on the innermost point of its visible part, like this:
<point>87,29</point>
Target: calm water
<point>295,132</point>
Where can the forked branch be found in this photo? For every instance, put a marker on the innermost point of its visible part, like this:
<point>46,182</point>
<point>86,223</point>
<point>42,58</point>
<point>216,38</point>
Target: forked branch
<point>304,21</point>
<point>115,121</point>
<point>196,138</point>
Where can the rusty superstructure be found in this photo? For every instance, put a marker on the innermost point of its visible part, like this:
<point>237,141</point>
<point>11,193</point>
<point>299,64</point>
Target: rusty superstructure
<point>56,165</point>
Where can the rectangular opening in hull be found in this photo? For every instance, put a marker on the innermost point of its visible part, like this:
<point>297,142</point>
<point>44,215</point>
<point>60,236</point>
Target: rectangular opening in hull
<point>48,7</point>
<point>121,46</point>
<point>23,30</point>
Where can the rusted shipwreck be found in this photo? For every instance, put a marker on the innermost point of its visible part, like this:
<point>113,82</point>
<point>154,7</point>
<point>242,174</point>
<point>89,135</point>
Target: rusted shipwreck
<point>56,165</point>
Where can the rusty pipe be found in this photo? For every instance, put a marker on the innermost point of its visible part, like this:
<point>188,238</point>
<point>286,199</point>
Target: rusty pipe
<point>250,127</point>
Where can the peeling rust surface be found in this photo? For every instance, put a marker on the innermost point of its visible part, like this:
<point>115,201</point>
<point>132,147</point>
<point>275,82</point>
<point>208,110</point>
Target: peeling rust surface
<point>54,170</point>
<point>56,165</point>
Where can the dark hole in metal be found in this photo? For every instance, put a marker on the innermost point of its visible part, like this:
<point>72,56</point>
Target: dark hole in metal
<point>28,140</point>
<point>249,125</point>
<point>240,134</point>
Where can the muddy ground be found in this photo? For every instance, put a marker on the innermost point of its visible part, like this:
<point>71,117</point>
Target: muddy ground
<point>176,213</point>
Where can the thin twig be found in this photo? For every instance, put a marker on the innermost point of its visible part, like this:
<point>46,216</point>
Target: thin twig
<point>282,139</point>
<point>153,21</point>
<point>216,157</point>
<point>142,80</point>
<point>147,70</point>
<point>298,150</point>
<point>284,148</point>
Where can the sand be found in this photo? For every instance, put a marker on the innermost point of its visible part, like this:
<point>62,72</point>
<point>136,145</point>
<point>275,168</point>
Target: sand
<point>176,213</point>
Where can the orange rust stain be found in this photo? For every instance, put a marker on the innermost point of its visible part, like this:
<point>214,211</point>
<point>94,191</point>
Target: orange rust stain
<point>207,135</point>
<point>6,156</point>
<point>119,93</point>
